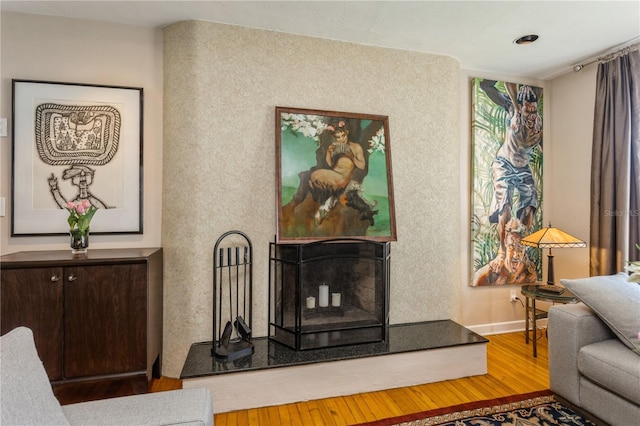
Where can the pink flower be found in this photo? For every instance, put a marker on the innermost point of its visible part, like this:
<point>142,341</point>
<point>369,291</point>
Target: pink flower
<point>80,209</point>
<point>71,205</point>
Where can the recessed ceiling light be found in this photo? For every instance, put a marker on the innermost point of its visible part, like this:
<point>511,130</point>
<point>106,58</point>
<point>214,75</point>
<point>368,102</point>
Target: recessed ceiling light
<point>528,39</point>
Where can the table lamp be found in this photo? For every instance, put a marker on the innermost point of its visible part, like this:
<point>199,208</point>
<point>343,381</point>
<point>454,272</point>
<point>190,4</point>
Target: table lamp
<point>551,237</point>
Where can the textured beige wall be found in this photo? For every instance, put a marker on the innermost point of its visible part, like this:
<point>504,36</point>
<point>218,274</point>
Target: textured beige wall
<point>222,84</point>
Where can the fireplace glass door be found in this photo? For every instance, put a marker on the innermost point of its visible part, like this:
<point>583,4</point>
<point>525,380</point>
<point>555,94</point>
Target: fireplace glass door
<point>329,293</point>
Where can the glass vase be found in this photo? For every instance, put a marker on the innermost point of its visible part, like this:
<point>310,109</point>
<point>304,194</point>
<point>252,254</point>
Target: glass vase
<point>79,241</point>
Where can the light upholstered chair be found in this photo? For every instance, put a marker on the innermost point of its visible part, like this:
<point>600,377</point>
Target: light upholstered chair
<point>27,397</point>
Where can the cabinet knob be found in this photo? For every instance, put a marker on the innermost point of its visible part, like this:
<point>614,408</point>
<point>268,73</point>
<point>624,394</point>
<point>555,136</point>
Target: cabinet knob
<point>72,277</point>
<point>55,278</point>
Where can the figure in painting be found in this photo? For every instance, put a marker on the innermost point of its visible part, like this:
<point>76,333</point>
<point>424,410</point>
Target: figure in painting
<point>329,200</point>
<point>76,136</point>
<point>80,176</point>
<point>511,170</point>
<point>516,267</point>
<point>343,156</point>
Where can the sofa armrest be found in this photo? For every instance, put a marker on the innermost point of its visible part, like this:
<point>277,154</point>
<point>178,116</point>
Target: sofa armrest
<point>178,407</point>
<point>26,397</point>
<point>570,327</point>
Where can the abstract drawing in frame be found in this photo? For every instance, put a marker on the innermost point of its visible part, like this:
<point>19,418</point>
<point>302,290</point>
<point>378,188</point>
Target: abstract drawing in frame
<point>75,141</point>
<point>334,176</point>
<point>506,187</point>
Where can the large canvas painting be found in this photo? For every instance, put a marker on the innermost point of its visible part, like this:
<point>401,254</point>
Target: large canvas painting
<point>334,176</point>
<point>73,142</point>
<point>506,198</point>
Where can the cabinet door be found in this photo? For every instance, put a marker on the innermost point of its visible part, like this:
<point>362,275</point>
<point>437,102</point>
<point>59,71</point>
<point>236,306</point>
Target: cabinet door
<point>105,319</point>
<point>32,297</point>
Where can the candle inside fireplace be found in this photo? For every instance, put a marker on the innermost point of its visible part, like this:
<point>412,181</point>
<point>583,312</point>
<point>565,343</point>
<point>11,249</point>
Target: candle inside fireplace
<point>335,299</point>
<point>311,302</point>
<point>324,296</point>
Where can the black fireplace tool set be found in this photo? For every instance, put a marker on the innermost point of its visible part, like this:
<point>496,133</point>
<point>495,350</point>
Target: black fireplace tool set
<point>232,297</point>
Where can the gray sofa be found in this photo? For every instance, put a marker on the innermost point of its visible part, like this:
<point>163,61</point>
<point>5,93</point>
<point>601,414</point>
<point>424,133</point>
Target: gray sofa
<point>594,352</point>
<point>26,397</point>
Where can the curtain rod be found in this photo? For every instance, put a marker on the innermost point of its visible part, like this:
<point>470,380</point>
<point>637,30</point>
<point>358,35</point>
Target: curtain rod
<point>609,56</point>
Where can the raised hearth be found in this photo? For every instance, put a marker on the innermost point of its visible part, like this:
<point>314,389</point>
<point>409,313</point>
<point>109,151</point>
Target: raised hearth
<point>276,374</point>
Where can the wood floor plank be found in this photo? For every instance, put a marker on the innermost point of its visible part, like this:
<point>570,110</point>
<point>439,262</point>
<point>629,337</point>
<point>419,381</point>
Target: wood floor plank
<point>441,394</point>
<point>423,400</point>
<point>361,400</point>
<point>331,411</point>
<point>305,414</point>
<point>316,414</point>
<point>263,416</point>
<point>471,393</point>
<point>383,404</point>
<point>403,399</point>
<point>253,417</point>
<point>274,415</point>
<point>283,413</point>
<point>220,420</point>
<point>232,419</point>
<point>511,370</point>
<point>342,408</point>
<point>294,414</point>
<point>355,410</point>
<point>337,407</point>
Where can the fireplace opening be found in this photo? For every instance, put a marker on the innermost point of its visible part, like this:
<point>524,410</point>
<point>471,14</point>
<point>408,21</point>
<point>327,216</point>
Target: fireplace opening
<point>329,293</point>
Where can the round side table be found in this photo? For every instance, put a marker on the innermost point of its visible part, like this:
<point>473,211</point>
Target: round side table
<point>532,292</point>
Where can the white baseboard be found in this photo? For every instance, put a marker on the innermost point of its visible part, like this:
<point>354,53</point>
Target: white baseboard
<point>502,327</point>
<point>497,327</point>
<point>283,385</point>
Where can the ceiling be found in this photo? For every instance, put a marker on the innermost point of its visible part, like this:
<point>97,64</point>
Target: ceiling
<point>479,34</point>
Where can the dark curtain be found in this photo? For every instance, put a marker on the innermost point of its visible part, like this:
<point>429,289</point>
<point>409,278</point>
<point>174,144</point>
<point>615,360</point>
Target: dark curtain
<point>615,190</point>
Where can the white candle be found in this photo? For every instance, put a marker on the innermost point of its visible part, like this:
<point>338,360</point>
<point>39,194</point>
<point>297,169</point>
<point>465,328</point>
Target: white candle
<point>311,302</point>
<point>335,299</point>
<point>324,296</point>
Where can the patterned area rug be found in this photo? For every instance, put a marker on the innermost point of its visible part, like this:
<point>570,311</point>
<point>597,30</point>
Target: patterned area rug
<point>537,408</point>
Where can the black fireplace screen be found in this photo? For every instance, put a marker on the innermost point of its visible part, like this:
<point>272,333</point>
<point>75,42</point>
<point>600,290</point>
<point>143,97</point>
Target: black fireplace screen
<point>328,293</point>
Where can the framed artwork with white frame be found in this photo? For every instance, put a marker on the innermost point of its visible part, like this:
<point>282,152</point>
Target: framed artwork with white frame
<point>76,141</point>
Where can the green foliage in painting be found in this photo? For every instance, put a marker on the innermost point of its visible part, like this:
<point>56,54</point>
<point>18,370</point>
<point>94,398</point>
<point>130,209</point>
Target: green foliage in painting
<point>489,121</point>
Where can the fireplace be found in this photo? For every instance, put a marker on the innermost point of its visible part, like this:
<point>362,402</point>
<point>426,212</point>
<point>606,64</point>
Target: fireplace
<point>328,293</point>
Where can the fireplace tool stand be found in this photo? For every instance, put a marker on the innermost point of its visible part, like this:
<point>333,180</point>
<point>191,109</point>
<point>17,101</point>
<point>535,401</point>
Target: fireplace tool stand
<point>232,296</point>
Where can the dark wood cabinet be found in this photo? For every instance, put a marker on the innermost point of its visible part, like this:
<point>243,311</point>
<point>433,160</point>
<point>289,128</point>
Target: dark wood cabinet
<point>39,306</point>
<point>96,319</point>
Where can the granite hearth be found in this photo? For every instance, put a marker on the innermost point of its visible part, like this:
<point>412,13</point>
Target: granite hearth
<point>276,374</point>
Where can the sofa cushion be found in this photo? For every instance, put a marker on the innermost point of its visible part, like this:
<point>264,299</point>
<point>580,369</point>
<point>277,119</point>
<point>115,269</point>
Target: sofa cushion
<point>25,391</point>
<point>615,300</point>
<point>191,406</point>
<point>612,366</point>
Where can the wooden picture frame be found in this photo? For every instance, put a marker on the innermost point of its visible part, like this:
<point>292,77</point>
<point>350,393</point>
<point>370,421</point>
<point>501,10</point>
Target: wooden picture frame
<point>333,172</point>
<point>72,141</point>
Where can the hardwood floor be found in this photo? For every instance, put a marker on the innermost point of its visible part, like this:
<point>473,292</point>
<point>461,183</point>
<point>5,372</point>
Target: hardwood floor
<point>511,370</point>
